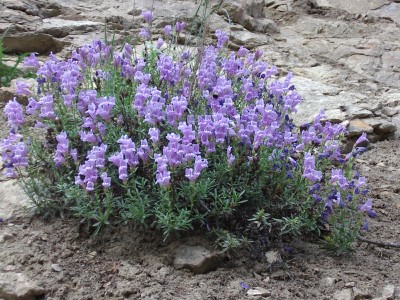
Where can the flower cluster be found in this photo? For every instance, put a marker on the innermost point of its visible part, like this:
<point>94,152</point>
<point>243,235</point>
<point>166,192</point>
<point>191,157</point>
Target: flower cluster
<point>224,125</point>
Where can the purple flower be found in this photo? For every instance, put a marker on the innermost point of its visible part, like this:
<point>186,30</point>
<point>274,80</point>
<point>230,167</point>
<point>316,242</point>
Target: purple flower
<point>160,42</point>
<point>46,107</point>
<point>31,61</point>
<point>180,26</point>
<point>231,158</point>
<point>361,139</point>
<point>222,38</point>
<point>338,177</point>
<point>32,106</point>
<point>147,16</point>
<point>242,52</point>
<point>23,88</point>
<point>167,30</point>
<point>367,207</point>
<point>89,137</point>
<point>14,113</point>
<point>144,33</point>
<point>244,285</point>
<point>309,168</point>
<point>74,154</point>
<point>106,180</point>
<point>62,149</point>
<point>122,164</point>
<point>154,134</point>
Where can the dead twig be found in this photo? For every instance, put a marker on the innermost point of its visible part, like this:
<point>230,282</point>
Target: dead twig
<point>380,244</point>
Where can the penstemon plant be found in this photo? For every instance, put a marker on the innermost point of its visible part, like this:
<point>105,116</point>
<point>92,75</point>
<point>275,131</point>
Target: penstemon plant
<point>158,139</point>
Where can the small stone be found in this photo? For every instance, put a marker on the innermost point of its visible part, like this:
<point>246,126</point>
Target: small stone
<point>197,259</point>
<point>92,254</point>
<point>359,294</point>
<point>327,282</point>
<point>9,268</point>
<point>5,237</point>
<point>388,292</point>
<point>18,286</point>
<point>344,294</point>
<point>56,268</point>
<point>390,111</point>
<point>350,284</point>
<point>258,291</point>
<point>273,257</point>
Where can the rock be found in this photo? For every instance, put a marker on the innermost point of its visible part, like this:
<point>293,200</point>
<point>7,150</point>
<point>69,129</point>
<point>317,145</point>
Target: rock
<point>197,259</point>
<point>258,291</point>
<point>386,127</point>
<point>32,42</point>
<point>390,111</point>
<point>56,268</point>
<point>335,115</point>
<point>19,287</point>
<point>61,28</point>
<point>8,93</point>
<point>391,11</point>
<point>5,237</point>
<point>396,122</point>
<point>350,284</point>
<point>248,39</point>
<point>359,113</point>
<point>13,199</point>
<point>344,294</point>
<point>234,10</point>
<point>273,257</point>
<point>260,25</point>
<point>327,282</point>
<point>388,292</point>
<point>354,7</point>
<point>254,8</point>
<point>357,127</point>
<point>128,271</point>
<point>359,294</point>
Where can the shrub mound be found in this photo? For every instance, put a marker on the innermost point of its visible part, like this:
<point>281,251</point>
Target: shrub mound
<point>182,140</point>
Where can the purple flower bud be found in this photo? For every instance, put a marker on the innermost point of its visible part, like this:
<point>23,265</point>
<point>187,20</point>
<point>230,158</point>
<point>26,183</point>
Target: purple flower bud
<point>167,30</point>
<point>160,42</point>
<point>180,26</point>
<point>147,16</point>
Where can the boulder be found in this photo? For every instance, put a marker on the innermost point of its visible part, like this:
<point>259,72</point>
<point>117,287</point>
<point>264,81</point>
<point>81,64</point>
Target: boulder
<point>17,286</point>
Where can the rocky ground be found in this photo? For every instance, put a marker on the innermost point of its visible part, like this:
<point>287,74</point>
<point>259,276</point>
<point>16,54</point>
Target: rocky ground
<point>345,56</point>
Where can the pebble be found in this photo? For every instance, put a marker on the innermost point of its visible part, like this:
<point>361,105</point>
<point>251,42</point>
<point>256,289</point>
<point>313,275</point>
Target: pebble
<point>327,282</point>
<point>197,259</point>
<point>273,257</point>
<point>359,294</point>
<point>258,291</point>
<point>344,294</point>
<point>388,292</point>
<point>350,284</point>
<point>56,268</point>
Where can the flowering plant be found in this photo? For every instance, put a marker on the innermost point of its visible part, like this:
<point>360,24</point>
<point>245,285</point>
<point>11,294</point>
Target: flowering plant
<point>158,139</point>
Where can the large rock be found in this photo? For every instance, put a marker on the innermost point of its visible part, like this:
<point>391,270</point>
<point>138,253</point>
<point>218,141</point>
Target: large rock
<point>356,7</point>
<point>17,286</point>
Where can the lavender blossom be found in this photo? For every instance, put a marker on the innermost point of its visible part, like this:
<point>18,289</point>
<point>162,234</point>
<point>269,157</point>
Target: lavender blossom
<point>14,113</point>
